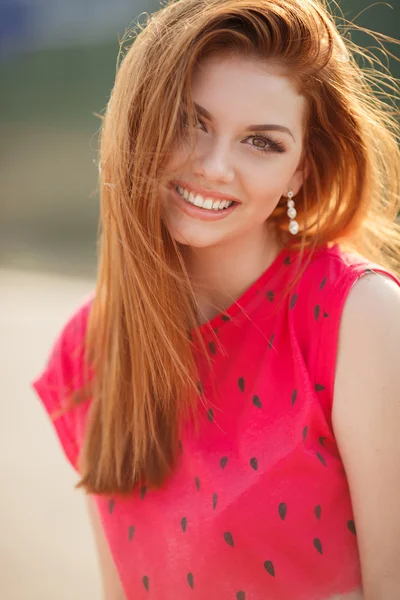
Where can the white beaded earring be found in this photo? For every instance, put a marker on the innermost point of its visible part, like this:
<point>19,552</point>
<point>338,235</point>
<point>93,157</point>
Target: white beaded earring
<point>292,214</point>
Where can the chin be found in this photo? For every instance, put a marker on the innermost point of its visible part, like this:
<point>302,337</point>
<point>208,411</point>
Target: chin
<point>193,240</point>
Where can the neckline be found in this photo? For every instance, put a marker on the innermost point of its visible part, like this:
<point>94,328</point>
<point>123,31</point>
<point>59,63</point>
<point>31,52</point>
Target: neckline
<point>283,259</point>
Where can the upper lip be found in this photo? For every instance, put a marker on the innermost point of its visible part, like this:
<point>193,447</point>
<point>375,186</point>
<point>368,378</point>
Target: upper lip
<point>205,193</point>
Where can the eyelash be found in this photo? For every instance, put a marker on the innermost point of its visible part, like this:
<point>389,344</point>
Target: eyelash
<point>274,145</point>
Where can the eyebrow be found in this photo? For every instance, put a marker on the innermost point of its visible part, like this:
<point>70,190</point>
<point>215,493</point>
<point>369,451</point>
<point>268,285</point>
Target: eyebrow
<point>261,127</point>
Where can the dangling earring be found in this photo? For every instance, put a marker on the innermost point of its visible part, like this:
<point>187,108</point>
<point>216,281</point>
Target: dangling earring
<point>292,214</point>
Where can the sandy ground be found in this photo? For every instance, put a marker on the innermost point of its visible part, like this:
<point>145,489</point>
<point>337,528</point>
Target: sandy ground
<point>46,547</point>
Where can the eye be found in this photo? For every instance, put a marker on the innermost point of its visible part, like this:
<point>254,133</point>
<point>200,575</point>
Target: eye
<point>197,123</point>
<point>202,124</point>
<point>268,144</point>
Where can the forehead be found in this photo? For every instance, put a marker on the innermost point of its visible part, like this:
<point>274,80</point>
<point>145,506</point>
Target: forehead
<point>248,89</point>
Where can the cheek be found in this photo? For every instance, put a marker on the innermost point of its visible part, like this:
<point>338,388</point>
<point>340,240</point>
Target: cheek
<point>178,157</point>
<point>267,183</point>
<point>270,178</point>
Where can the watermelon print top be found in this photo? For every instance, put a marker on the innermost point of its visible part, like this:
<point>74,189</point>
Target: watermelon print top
<point>259,506</point>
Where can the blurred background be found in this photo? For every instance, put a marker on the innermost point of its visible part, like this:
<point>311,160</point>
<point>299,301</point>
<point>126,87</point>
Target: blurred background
<point>57,66</point>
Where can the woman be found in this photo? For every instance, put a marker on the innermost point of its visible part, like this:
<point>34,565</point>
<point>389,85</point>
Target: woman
<point>229,393</point>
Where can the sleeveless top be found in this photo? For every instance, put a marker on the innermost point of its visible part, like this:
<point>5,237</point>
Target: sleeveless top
<point>259,505</point>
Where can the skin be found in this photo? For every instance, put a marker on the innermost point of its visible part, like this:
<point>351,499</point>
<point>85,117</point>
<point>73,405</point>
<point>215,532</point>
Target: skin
<point>365,419</point>
<point>226,160</point>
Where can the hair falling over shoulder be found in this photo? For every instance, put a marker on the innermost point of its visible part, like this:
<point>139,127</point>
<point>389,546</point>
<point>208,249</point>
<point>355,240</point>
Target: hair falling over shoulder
<point>142,324</point>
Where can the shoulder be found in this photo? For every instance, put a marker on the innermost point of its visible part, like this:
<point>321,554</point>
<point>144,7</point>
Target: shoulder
<point>66,356</point>
<point>327,284</point>
<point>369,336</point>
<point>334,264</point>
<point>374,300</point>
<point>365,418</point>
<point>62,375</point>
<point>332,285</point>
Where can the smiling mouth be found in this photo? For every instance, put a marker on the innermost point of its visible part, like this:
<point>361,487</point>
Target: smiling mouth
<point>201,213</point>
<point>203,202</point>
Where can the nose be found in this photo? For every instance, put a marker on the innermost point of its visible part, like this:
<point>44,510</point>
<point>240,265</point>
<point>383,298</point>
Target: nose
<point>214,163</point>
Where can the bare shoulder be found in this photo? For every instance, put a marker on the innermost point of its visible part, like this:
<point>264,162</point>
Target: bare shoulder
<point>365,418</point>
<point>112,588</point>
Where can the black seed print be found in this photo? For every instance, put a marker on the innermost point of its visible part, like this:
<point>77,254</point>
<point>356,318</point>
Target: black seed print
<point>180,447</point>
<point>190,580</point>
<point>319,387</point>
<point>197,480</point>
<point>294,396</point>
<point>131,533</point>
<point>270,295</point>
<point>293,301</point>
<point>143,491</point>
<point>323,282</point>
<point>225,318</point>
<point>228,538</point>
<point>111,505</point>
<point>146,583</point>
<point>287,261</point>
<point>184,524</point>
<point>321,440</point>
<point>223,462</point>
<point>254,464</point>
<point>326,315</point>
<point>321,458</point>
<point>282,510</point>
<point>317,511</point>
<point>240,596</point>
<point>318,545</point>
<point>215,501</point>
<point>212,347</point>
<point>271,341</point>
<point>215,329</point>
<point>369,271</point>
<point>210,415</point>
<point>257,402</point>
<point>269,567</point>
<point>200,387</point>
<point>352,526</point>
<point>305,431</point>
<point>317,311</point>
<point>241,384</point>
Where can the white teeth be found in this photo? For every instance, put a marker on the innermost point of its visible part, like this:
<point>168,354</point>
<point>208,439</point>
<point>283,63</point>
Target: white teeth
<point>206,203</point>
<point>198,201</point>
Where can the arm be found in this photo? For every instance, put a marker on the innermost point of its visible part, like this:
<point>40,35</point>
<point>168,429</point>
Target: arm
<point>111,583</point>
<point>366,422</point>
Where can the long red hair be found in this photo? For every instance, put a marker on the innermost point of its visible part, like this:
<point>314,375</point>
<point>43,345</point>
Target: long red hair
<point>143,320</point>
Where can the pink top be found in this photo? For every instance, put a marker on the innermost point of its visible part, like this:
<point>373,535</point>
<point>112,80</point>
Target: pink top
<point>259,505</point>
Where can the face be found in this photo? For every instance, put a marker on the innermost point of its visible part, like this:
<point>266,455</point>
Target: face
<point>234,158</point>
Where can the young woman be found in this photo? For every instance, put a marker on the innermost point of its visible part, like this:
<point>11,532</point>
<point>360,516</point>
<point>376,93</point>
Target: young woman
<point>229,394</point>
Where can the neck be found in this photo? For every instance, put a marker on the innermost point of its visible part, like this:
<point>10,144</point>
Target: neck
<point>220,274</point>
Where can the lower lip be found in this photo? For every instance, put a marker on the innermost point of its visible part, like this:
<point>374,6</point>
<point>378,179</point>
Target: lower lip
<point>203,214</point>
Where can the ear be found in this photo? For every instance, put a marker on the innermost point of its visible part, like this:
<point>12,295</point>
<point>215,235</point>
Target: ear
<point>299,177</point>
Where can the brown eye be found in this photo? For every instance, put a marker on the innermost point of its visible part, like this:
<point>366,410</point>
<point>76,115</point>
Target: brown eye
<point>266,144</point>
<point>260,143</point>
